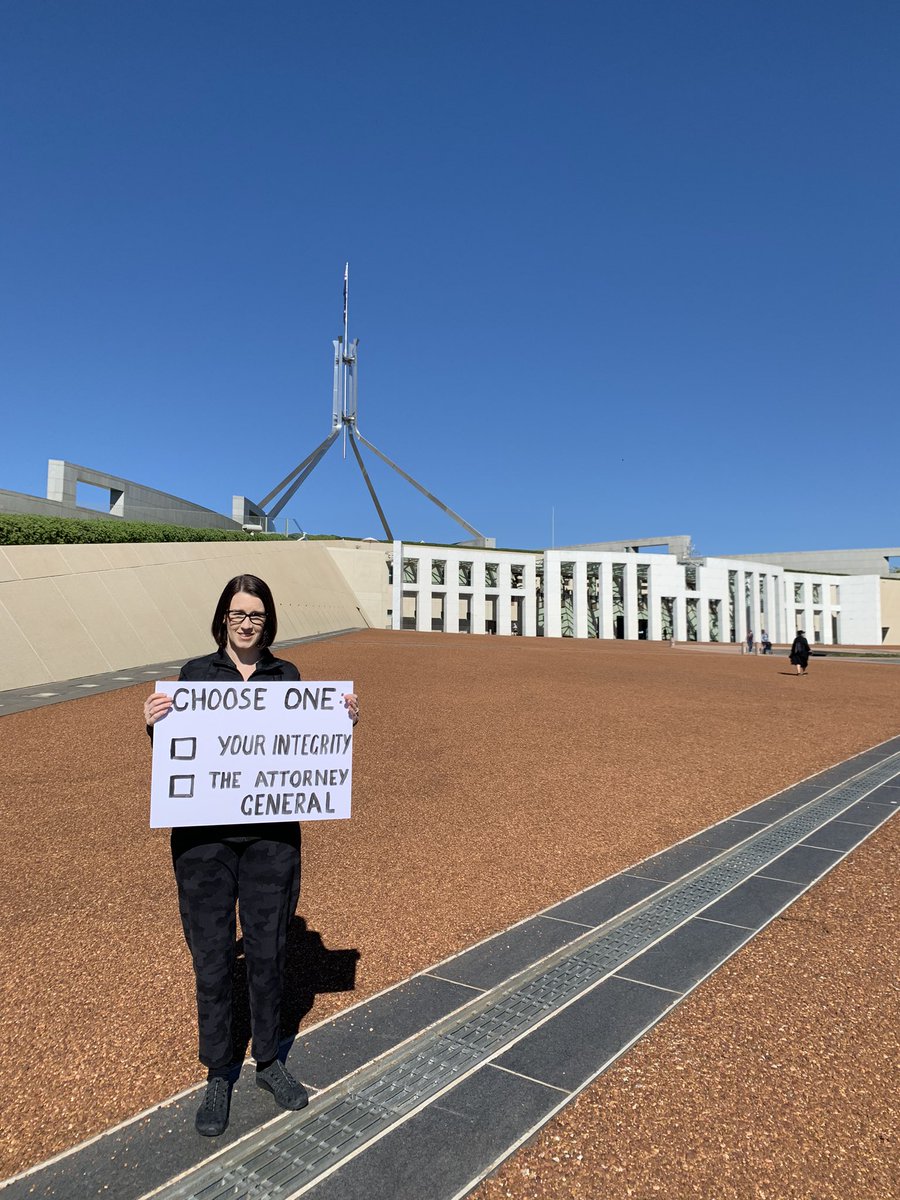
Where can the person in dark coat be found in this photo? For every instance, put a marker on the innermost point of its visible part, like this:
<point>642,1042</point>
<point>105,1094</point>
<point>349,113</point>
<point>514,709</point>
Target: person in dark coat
<point>255,866</point>
<point>800,652</point>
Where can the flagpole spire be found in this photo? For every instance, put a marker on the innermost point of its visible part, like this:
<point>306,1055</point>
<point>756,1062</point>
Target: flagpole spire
<point>346,306</point>
<point>344,421</point>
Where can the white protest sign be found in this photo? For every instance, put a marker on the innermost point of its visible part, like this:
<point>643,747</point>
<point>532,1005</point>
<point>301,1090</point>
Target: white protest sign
<point>241,753</point>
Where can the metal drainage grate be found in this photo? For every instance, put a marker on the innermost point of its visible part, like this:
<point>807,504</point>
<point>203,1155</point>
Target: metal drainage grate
<point>276,1164</point>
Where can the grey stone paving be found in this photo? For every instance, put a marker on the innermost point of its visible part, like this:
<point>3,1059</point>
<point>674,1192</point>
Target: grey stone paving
<point>23,699</point>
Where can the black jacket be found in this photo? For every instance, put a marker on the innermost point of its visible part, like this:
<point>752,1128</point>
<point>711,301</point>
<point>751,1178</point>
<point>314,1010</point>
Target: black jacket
<point>800,650</point>
<point>215,668</point>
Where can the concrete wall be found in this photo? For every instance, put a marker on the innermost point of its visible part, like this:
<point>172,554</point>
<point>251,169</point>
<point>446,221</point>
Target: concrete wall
<point>890,611</point>
<point>69,611</point>
<point>127,500</point>
<point>871,561</point>
<point>861,619</point>
<point>24,505</point>
<point>678,544</point>
<point>364,565</point>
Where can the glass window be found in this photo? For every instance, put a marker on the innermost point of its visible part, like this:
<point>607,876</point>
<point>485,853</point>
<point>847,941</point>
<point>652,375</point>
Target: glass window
<point>618,599</point>
<point>593,599</point>
<point>715,608</point>
<point>692,621</point>
<point>566,598</point>
<point>643,610</point>
<point>667,616</point>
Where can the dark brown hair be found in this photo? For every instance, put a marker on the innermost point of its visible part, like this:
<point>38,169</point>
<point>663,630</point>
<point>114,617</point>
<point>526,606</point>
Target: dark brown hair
<point>253,586</point>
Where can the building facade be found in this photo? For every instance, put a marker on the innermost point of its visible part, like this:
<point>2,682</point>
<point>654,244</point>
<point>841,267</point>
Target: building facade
<point>585,593</point>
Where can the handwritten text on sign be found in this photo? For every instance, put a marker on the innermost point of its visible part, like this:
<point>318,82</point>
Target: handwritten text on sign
<point>230,754</point>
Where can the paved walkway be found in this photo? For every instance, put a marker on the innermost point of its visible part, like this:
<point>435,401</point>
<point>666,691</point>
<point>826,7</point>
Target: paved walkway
<point>422,1090</point>
<point>26,698</point>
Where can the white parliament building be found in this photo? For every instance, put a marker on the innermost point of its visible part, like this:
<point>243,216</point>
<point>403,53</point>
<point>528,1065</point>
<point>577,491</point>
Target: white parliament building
<point>653,589</point>
<point>625,590</point>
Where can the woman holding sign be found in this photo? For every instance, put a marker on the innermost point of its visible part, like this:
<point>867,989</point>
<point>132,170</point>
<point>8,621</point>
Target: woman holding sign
<point>254,866</point>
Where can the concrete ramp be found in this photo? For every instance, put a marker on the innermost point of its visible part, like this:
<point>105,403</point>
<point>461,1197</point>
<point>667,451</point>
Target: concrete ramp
<point>85,609</point>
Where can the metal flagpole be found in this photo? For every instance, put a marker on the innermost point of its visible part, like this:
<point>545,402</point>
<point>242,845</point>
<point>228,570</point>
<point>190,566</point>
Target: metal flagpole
<point>425,492</point>
<point>344,420</point>
<point>365,475</point>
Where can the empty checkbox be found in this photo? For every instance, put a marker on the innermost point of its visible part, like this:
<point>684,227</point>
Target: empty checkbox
<point>181,787</point>
<point>183,748</point>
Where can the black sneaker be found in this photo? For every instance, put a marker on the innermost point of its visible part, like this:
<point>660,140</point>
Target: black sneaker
<point>284,1087</point>
<point>212,1115</point>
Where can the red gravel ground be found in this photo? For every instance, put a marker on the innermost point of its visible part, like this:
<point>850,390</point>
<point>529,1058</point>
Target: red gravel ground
<point>778,1078</point>
<point>493,776</point>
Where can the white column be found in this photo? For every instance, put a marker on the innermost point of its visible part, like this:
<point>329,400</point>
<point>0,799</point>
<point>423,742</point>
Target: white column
<point>451,598</point>
<point>680,618</point>
<point>777,634</point>
<point>423,608</point>
<point>702,619</point>
<point>478,606</point>
<point>552,580</point>
<point>654,616</point>
<point>397,588</point>
<point>504,589</point>
<point>772,593</point>
<point>759,619</point>
<point>740,608</point>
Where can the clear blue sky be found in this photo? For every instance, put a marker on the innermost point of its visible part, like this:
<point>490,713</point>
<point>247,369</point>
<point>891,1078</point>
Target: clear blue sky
<point>636,262</point>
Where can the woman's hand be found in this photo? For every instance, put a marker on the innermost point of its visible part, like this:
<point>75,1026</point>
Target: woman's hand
<point>351,703</point>
<point>156,707</point>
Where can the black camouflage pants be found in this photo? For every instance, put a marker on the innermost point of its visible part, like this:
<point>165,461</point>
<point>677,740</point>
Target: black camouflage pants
<point>263,878</point>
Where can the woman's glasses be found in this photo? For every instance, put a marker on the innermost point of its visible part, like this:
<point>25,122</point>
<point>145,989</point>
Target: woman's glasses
<point>236,617</point>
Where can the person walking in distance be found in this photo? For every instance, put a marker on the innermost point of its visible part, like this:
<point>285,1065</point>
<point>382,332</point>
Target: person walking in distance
<point>800,652</point>
<point>749,641</point>
<point>255,866</point>
<point>765,642</point>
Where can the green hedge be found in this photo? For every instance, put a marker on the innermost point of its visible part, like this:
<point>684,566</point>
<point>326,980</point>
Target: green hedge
<point>16,530</point>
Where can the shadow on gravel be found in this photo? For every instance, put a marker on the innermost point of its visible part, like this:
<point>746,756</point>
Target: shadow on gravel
<point>311,969</point>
